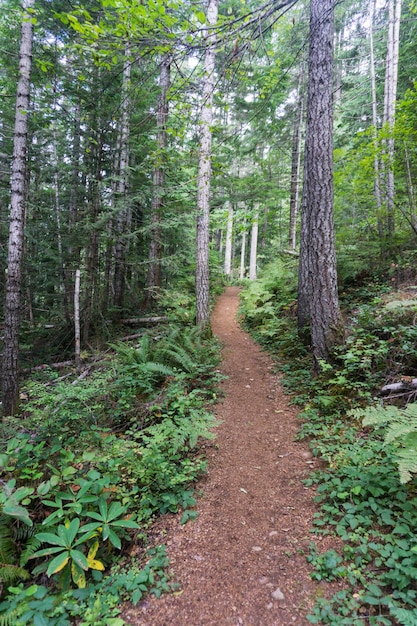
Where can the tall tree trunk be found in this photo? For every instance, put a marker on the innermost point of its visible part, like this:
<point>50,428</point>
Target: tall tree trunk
<point>318,298</point>
<point>390,96</point>
<point>154,275</point>
<point>243,252</point>
<point>377,182</point>
<point>123,217</point>
<point>296,161</point>
<point>66,303</point>
<point>10,371</point>
<point>204,171</point>
<point>254,246</point>
<point>77,337</point>
<point>229,237</point>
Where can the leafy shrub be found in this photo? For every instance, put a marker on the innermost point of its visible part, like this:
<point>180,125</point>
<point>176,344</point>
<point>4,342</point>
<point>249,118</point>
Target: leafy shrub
<point>401,429</point>
<point>94,459</point>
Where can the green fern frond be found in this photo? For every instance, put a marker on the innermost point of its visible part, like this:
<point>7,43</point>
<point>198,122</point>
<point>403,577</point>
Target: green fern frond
<point>134,356</point>
<point>157,368</point>
<point>31,546</point>
<point>10,574</point>
<point>10,618</point>
<point>405,617</point>
<point>179,357</point>
<point>401,430</point>
<point>376,416</point>
<point>7,544</point>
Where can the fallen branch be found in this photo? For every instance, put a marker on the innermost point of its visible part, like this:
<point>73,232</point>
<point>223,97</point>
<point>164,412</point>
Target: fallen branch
<point>44,366</point>
<point>83,375</point>
<point>131,321</point>
<point>404,385</point>
<point>131,337</point>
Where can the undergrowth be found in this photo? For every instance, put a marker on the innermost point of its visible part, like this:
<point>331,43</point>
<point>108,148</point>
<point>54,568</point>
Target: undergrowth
<point>364,500</point>
<point>86,468</point>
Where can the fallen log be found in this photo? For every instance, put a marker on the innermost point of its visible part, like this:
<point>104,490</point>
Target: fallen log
<point>404,385</point>
<point>44,366</point>
<point>131,321</point>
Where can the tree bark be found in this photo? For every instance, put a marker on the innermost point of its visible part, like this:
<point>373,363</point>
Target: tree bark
<point>377,182</point>
<point>296,162</point>
<point>204,171</point>
<point>253,247</point>
<point>123,218</point>
<point>77,336</point>
<point>243,252</point>
<point>154,275</point>
<point>10,371</point>
<point>318,297</point>
<point>390,96</point>
<point>228,245</point>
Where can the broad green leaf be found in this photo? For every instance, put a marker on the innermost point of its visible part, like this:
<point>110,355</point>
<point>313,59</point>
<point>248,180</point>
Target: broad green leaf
<point>200,16</point>
<point>79,558</point>
<point>78,576</point>
<point>95,515</point>
<point>58,563</point>
<point>13,509</point>
<point>46,552</point>
<point>50,538</point>
<point>93,526</point>
<point>116,510</point>
<point>125,523</point>
<point>102,505</point>
<point>114,539</point>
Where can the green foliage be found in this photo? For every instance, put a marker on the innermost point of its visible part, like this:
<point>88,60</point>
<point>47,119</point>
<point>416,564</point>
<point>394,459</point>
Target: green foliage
<point>10,499</point>
<point>401,428</point>
<point>80,474</point>
<point>110,522</point>
<point>68,558</point>
<point>98,604</point>
<point>327,566</point>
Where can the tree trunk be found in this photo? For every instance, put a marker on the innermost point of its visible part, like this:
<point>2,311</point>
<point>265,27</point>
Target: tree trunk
<point>204,171</point>
<point>296,162</point>
<point>318,301</point>
<point>122,219</point>
<point>243,252</point>
<point>377,182</point>
<point>154,276</point>
<point>390,96</point>
<point>77,339</point>
<point>228,245</point>
<point>253,247</point>
<point>10,378</point>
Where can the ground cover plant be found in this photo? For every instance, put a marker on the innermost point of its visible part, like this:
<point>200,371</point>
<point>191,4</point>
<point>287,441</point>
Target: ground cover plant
<point>367,490</point>
<point>87,467</point>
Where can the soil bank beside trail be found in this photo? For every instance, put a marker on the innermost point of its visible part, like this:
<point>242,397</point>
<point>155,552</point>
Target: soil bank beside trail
<point>242,562</point>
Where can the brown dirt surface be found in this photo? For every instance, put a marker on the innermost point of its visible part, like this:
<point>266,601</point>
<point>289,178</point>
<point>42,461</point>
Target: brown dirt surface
<point>242,561</point>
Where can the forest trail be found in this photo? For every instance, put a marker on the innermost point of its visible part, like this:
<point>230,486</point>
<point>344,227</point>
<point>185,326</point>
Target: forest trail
<point>242,562</point>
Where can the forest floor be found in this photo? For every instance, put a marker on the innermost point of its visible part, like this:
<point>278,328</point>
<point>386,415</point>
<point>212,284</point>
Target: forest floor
<point>243,560</point>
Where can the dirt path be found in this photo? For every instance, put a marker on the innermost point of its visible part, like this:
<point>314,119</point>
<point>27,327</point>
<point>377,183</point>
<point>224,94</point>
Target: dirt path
<point>242,561</point>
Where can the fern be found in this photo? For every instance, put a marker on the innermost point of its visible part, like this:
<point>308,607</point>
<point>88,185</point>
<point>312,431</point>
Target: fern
<point>32,544</point>
<point>179,357</point>
<point>400,429</point>
<point>17,543</point>
<point>10,574</point>
<point>405,617</point>
<point>10,618</point>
